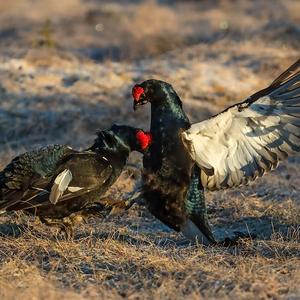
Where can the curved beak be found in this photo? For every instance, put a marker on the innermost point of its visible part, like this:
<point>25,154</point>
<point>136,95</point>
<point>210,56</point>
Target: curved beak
<point>136,104</point>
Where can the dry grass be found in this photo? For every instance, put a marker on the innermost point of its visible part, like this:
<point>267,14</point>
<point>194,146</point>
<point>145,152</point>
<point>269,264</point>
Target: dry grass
<point>123,262</point>
<point>67,68</point>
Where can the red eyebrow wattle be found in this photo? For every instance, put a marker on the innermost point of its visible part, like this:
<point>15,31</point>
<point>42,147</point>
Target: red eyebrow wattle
<point>137,91</point>
<point>144,139</point>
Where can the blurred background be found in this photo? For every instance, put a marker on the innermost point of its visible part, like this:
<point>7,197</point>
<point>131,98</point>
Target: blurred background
<point>67,66</point>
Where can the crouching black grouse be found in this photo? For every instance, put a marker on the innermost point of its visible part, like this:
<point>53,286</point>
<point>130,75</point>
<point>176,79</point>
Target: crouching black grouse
<point>225,151</point>
<point>56,182</point>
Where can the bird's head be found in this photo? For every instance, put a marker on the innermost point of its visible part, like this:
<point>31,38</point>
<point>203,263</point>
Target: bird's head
<point>133,139</point>
<point>152,90</point>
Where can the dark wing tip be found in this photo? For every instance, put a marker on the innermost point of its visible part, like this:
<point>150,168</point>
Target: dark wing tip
<point>290,73</point>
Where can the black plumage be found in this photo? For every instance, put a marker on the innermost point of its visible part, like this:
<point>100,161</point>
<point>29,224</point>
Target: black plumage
<point>57,182</point>
<point>171,190</point>
<point>232,148</point>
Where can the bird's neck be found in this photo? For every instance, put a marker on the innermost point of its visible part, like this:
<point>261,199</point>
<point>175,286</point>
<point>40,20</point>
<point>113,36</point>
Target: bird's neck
<point>168,114</point>
<point>116,155</point>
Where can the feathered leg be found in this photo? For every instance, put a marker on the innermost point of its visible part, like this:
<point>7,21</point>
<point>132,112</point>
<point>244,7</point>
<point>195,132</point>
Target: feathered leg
<point>136,196</point>
<point>196,211</point>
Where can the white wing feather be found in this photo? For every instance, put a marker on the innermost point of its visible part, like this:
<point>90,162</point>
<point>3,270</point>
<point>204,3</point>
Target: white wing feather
<point>250,138</point>
<point>60,184</point>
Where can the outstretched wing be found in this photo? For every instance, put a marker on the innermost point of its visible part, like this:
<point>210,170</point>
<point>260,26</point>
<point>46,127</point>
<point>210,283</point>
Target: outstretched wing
<point>249,138</point>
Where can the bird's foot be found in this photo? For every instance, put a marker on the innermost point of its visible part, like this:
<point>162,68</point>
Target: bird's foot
<point>65,225</point>
<point>69,223</point>
<point>133,171</point>
<point>124,205</point>
<point>66,232</point>
<point>136,197</point>
<point>235,240</point>
<point>118,208</point>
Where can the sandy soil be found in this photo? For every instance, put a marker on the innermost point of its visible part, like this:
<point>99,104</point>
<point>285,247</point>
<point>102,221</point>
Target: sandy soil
<point>66,70</point>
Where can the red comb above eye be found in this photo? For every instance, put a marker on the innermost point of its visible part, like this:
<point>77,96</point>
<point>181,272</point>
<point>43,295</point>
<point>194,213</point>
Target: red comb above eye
<point>144,139</point>
<point>137,91</point>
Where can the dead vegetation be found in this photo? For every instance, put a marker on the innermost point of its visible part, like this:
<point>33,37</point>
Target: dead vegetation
<point>112,260</point>
<point>67,68</point>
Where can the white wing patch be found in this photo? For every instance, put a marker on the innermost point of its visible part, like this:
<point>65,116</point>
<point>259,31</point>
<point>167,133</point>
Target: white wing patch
<point>61,183</point>
<point>40,189</point>
<point>250,138</point>
<point>74,189</point>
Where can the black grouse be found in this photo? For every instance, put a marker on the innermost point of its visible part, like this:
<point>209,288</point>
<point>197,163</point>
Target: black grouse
<point>56,182</point>
<point>232,148</point>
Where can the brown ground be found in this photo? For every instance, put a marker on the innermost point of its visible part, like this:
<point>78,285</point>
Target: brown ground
<point>67,68</point>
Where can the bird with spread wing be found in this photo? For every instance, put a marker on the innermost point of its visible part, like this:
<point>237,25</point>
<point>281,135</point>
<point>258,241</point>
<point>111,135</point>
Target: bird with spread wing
<point>231,148</point>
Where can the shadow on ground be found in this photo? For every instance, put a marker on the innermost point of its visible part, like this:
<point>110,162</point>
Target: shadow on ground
<point>253,228</point>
